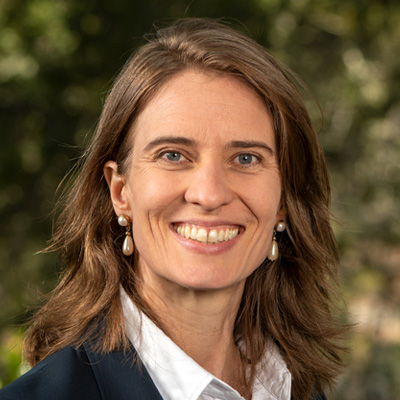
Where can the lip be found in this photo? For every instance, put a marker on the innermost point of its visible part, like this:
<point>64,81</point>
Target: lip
<point>206,248</point>
<point>209,224</point>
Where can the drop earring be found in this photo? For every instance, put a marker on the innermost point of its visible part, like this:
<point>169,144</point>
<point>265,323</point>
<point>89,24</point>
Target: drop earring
<point>127,247</point>
<point>273,253</point>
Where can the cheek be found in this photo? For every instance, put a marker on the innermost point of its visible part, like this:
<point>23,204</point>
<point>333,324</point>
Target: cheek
<point>152,195</point>
<point>151,203</point>
<point>263,198</point>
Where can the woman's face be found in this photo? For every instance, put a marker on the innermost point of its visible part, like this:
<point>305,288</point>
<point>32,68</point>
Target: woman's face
<point>203,188</point>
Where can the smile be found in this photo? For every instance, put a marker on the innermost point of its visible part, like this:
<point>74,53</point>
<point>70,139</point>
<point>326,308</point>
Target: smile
<point>204,235</point>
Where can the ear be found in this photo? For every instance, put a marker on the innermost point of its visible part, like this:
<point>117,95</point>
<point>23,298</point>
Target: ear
<point>118,189</point>
<point>282,214</point>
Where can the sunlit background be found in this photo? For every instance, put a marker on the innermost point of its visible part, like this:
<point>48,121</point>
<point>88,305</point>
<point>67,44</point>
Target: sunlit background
<point>57,61</point>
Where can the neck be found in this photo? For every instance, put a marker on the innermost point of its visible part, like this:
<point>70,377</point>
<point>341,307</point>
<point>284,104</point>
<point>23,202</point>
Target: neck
<point>201,323</point>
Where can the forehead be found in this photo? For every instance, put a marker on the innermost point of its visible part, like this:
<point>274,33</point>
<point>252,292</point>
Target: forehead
<point>205,105</point>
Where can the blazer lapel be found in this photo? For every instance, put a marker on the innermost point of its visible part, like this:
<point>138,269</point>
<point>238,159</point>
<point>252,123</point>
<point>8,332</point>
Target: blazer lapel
<point>120,378</point>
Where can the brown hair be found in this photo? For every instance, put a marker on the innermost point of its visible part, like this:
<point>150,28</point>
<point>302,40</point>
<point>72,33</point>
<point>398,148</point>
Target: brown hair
<point>288,301</point>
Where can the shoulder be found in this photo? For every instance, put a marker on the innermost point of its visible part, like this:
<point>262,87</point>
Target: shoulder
<point>83,374</point>
<point>319,397</point>
<point>65,374</point>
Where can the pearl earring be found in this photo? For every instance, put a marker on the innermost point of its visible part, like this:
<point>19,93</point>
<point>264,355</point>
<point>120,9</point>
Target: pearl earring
<point>127,248</point>
<point>273,253</point>
<point>280,226</point>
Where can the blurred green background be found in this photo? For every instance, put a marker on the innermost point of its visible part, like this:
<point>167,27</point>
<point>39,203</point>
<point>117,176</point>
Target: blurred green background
<point>57,61</point>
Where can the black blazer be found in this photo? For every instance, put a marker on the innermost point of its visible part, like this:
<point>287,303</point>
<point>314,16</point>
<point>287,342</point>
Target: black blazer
<point>72,374</point>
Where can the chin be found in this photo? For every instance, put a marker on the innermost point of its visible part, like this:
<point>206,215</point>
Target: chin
<point>209,283</point>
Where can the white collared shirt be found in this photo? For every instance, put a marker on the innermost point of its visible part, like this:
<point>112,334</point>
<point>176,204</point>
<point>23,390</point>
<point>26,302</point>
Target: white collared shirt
<point>178,377</point>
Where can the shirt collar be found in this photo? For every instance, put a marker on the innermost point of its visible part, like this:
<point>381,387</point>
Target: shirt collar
<point>178,377</point>
<point>273,379</point>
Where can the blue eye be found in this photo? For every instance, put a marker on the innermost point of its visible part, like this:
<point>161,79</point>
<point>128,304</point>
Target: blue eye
<point>173,156</point>
<point>245,159</point>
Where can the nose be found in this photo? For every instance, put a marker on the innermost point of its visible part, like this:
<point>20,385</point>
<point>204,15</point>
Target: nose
<point>209,187</point>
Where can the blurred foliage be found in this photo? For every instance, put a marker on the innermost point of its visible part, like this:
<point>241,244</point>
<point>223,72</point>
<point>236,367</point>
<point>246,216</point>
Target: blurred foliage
<point>57,61</point>
<point>11,366</point>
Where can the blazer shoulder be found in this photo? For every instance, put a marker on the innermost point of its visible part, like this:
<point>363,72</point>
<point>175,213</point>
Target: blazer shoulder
<point>319,396</point>
<point>66,374</point>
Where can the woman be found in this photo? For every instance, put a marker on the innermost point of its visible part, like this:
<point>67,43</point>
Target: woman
<point>199,256</point>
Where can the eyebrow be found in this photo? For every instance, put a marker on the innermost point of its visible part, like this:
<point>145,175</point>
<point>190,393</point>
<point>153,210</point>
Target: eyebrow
<point>170,140</point>
<point>235,144</point>
<point>247,144</point>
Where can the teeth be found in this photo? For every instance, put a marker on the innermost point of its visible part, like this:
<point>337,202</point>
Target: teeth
<point>226,235</point>
<point>201,234</point>
<point>187,232</point>
<point>213,236</point>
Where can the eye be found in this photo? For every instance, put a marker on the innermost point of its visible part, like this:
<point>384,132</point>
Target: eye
<point>172,157</point>
<point>247,159</point>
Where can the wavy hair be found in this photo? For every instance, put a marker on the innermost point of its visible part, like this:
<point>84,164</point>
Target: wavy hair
<point>288,300</point>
